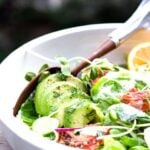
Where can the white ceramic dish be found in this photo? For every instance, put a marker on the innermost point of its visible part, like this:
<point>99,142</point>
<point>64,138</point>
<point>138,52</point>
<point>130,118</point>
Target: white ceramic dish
<point>79,41</point>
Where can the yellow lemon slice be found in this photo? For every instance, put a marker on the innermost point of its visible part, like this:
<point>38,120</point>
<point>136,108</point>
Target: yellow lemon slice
<point>139,57</point>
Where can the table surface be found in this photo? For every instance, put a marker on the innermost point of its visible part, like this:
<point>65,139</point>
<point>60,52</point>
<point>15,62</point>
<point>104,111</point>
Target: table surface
<point>3,143</point>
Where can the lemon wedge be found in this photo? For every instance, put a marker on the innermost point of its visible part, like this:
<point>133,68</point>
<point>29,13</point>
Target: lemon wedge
<point>139,57</point>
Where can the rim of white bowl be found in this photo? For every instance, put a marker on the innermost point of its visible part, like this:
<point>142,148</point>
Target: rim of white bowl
<point>8,121</point>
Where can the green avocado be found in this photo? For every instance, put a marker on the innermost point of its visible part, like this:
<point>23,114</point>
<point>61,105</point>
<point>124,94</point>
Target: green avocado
<point>65,101</point>
<point>52,78</point>
<point>81,113</point>
<point>51,88</point>
<point>77,82</point>
<point>44,102</point>
<point>43,85</point>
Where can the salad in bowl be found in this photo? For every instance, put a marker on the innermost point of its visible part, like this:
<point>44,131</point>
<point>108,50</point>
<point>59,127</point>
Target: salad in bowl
<point>77,117</point>
<point>105,107</point>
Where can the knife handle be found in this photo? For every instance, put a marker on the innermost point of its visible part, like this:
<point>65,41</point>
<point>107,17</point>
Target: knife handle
<point>103,49</point>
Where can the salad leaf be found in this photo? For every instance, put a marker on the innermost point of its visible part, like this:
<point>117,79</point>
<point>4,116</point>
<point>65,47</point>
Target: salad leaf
<point>109,89</point>
<point>127,113</point>
<point>65,68</point>
<point>104,64</point>
<point>98,68</point>
<point>140,84</point>
<point>129,141</point>
<point>106,92</point>
<point>27,111</point>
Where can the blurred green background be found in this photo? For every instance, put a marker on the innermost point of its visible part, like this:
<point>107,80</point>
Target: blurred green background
<point>23,20</point>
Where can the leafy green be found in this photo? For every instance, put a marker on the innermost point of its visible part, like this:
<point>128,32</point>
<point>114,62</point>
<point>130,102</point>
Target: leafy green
<point>140,84</point>
<point>28,113</point>
<point>109,88</point>
<point>106,92</point>
<point>129,141</point>
<point>61,77</point>
<point>93,73</point>
<point>115,131</point>
<point>99,67</point>
<point>127,113</point>
<point>65,68</point>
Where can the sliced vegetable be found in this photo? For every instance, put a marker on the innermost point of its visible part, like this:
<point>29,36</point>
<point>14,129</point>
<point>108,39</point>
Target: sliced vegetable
<point>52,88</point>
<point>129,141</point>
<point>66,100</point>
<point>45,125</point>
<point>81,113</point>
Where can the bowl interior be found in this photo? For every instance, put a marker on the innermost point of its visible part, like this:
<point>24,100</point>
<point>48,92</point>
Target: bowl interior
<point>79,41</point>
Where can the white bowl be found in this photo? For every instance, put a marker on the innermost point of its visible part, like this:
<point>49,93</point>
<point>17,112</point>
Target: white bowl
<point>78,41</point>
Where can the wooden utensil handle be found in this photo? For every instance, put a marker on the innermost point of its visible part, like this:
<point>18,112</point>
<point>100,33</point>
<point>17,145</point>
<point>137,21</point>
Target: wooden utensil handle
<point>103,49</point>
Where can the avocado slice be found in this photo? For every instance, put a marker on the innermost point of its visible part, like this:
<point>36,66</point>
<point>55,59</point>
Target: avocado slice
<point>51,88</point>
<point>81,113</point>
<point>52,78</point>
<point>77,82</point>
<point>44,102</point>
<point>44,84</point>
<point>67,100</point>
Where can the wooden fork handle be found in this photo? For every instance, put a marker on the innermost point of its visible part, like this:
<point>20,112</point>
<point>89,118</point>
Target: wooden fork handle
<point>103,49</point>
